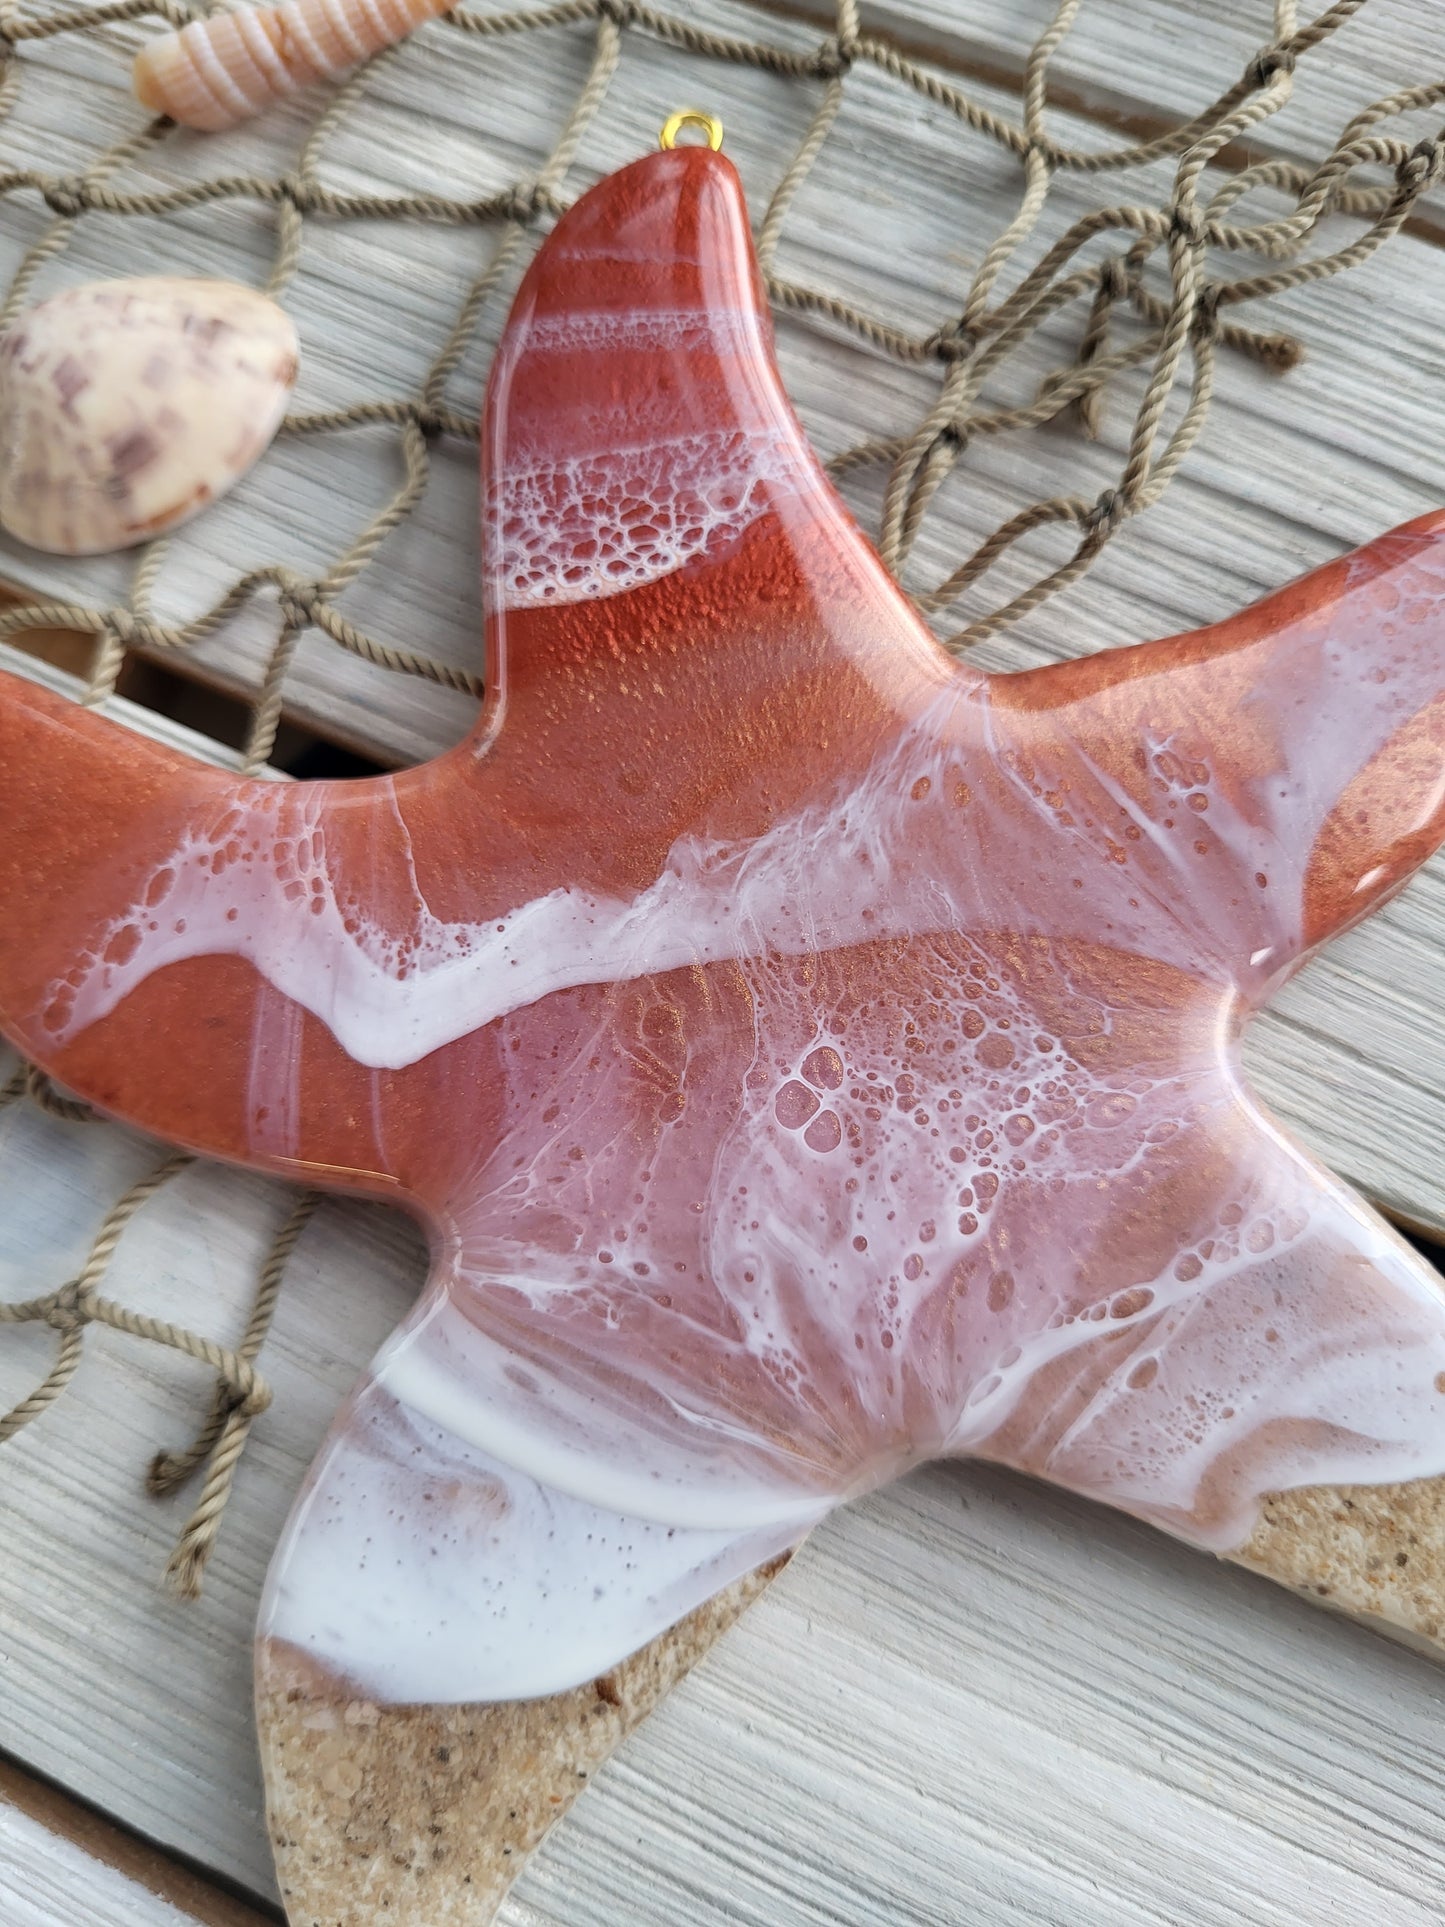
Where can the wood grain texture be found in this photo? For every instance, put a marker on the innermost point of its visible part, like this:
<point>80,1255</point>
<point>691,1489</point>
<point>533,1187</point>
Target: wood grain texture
<point>47,1880</point>
<point>71,1867</point>
<point>1134,69</point>
<point>969,1698</point>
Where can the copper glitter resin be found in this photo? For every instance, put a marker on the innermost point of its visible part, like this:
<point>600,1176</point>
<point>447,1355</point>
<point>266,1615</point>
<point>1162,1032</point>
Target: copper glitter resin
<point>809,1054</point>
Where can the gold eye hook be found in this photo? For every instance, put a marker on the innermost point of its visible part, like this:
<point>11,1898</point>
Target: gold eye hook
<point>690,117</point>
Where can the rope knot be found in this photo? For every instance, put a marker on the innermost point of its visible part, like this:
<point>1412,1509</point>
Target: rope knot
<point>298,604</point>
<point>247,1392</point>
<point>1269,62</point>
<point>524,204</point>
<point>1205,323</point>
<point>131,630</point>
<point>1422,165</point>
<point>69,1308</point>
<point>956,342</point>
<point>300,192</point>
<point>1185,224</point>
<point>622,13</point>
<point>836,56</point>
<point>1107,513</point>
<point>67,198</point>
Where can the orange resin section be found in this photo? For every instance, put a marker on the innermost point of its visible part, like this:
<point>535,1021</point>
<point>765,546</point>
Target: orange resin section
<point>810,1055</point>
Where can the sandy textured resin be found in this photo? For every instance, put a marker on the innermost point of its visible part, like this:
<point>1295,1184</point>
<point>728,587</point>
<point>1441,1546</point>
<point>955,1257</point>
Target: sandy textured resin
<point>422,1816</point>
<point>809,1055</point>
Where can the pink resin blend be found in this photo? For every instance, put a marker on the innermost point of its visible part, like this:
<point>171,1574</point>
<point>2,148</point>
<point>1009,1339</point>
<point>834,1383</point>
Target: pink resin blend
<point>809,1054</point>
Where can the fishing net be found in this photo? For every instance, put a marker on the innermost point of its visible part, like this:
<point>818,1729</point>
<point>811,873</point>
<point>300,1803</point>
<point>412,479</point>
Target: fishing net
<point>1137,296</point>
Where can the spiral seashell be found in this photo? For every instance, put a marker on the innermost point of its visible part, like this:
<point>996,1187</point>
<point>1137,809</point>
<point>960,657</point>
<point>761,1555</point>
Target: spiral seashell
<point>126,406</point>
<point>216,72</point>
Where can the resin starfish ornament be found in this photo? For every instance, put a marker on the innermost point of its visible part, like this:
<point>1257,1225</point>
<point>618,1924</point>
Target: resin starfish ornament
<point>809,1055</point>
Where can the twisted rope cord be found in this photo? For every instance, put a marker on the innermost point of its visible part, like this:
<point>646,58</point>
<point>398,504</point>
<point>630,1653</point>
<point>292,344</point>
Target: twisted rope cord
<point>76,1304</point>
<point>1184,323</point>
<point>240,1392</point>
<point>239,1396</point>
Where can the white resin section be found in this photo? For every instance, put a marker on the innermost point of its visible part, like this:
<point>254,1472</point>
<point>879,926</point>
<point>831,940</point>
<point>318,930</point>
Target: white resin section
<point>1308,1310</point>
<point>896,1246</point>
<point>443,1369</point>
<point>421,1570</point>
<point>634,496</point>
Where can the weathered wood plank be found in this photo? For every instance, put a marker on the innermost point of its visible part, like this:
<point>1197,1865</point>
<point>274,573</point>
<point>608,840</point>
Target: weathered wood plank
<point>1138,68</point>
<point>64,1865</point>
<point>48,1881</point>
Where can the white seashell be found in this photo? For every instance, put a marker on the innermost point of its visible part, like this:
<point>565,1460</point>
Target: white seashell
<point>127,406</point>
<point>216,72</point>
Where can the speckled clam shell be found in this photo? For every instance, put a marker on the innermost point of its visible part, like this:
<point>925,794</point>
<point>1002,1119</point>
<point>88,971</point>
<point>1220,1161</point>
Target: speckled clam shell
<point>127,406</point>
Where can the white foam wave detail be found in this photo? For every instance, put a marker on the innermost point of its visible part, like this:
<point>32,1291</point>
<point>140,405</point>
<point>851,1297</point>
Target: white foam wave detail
<point>883,1249</point>
<point>927,840</point>
<point>714,331</point>
<point>579,527</point>
<point>257,882</point>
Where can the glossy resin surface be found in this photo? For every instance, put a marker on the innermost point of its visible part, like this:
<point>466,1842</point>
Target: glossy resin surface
<point>810,1055</point>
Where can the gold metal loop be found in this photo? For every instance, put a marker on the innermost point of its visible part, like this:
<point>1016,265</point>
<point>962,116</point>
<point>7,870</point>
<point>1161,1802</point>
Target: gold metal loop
<point>691,117</point>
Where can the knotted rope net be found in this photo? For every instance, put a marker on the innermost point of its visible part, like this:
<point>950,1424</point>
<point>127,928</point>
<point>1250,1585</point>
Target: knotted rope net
<point>1159,285</point>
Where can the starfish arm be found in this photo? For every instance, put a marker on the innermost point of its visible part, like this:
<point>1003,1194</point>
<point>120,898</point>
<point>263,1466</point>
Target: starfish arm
<point>739,890</point>
<point>637,435</point>
<point>687,633</point>
<point>1282,1335</point>
<point>1275,775</point>
<point>109,845</point>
